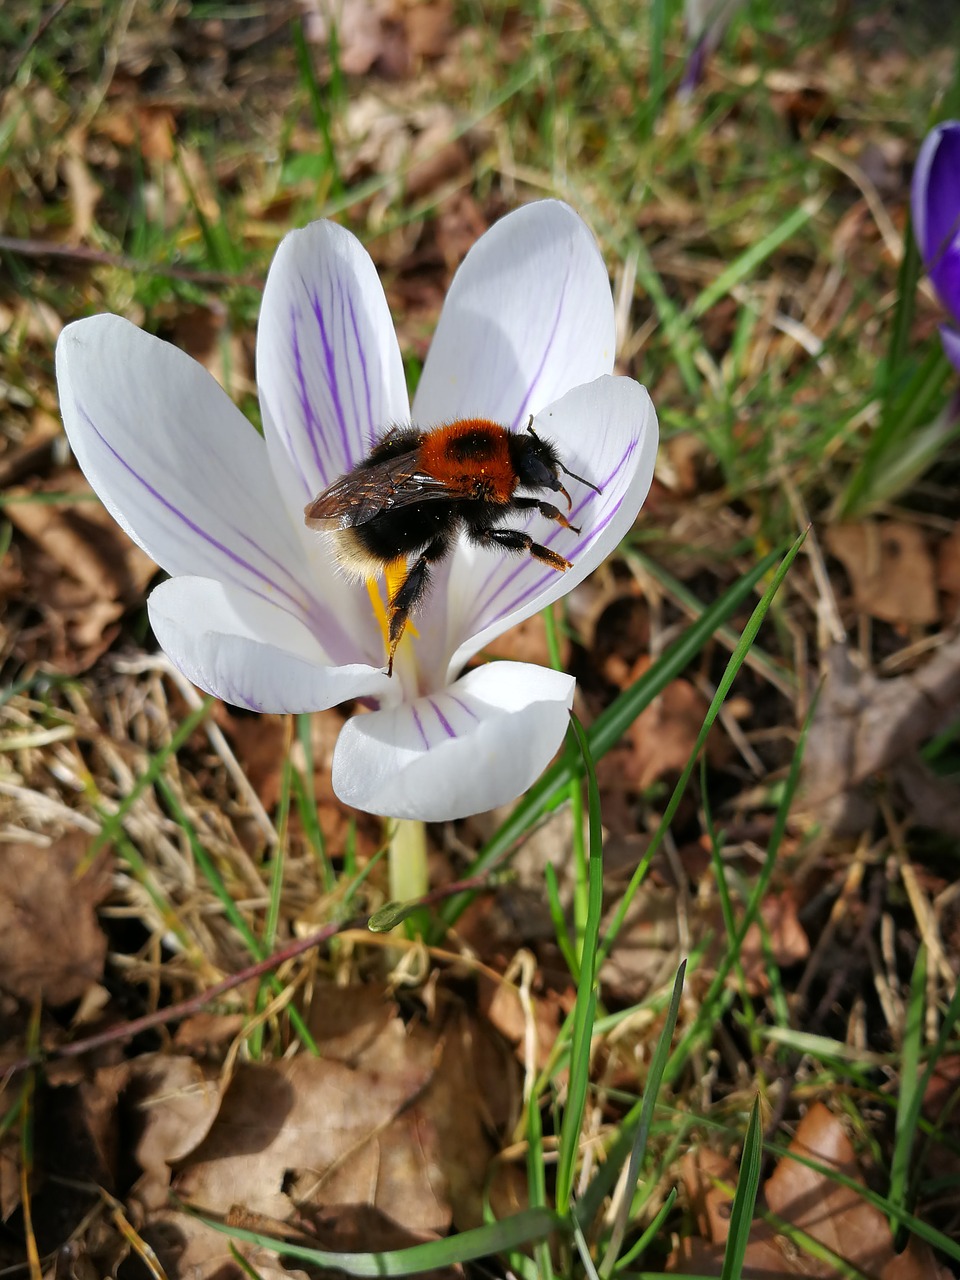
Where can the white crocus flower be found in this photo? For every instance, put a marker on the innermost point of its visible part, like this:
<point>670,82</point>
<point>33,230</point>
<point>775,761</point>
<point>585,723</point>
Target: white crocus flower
<point>256,611</point>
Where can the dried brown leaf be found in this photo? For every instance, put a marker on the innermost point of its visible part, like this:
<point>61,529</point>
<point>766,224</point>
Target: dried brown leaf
<point>308,1118</point>
<point>864,725</point>
<point>78,569</point>
<point>948,572</point>
<point>664,734</point>
<point>835,1215</point>
<point>51,946</point>
<point>890,569</point>
<point>172,1103</point>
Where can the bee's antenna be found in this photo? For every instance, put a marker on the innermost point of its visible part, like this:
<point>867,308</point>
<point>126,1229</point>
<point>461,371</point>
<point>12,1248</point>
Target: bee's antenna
<point>566,471</point>
<point>573,476</point>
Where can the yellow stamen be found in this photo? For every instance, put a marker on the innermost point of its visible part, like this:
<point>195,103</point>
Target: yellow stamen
<point>379,612</point>
<point>394,574</point>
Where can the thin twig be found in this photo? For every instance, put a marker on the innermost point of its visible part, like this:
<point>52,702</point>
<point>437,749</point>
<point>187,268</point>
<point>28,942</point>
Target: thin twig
<point>195,1004</point>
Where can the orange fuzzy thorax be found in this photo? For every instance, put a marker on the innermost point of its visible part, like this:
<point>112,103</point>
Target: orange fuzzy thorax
<point>471,457</point>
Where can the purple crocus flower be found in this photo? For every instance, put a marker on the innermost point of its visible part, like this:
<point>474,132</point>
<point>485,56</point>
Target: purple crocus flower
<point>936,222</point>
<point>255,610</point>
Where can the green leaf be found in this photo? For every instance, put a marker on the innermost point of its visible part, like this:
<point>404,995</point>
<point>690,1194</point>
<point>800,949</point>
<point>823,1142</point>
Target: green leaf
<point>745,1200</point>
<point>610,726</point>
<point>585,1010</point>
<point>497,1237</point>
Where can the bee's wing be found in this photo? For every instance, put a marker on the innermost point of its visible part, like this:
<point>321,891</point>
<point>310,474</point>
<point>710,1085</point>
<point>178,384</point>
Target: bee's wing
<point>363,494</point>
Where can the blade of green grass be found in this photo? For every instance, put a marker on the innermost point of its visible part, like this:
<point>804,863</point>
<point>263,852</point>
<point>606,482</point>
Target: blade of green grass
<point>610,726</point>
<point>732,668</point>
<point>258,950</point>
<point>640,1245</point>
<point>537,1182</point>
<point>321,113</point>
<point>717,996</point>
<point>747,262</point>
<point>904,410</point>
<point>113,822</point>
<point>910,1097</point>
<point>638,1149</point>
<point>509,1233</point>
<point>745,1199</point>
<point>587,987</point>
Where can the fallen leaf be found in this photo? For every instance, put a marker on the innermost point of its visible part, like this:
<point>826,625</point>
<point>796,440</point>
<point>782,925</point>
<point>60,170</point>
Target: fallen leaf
<point>429,26</point>
<point>814,1203</point>
<point>51,946</point>
<point>504,1009</point>
<point>78,569</point>
<point>647,950</point>
<point>786,937</point>
<point>835,1215</point>
<point>890,569</point>
<point>295,1124</point>
<point>83,190</point>
<point>369,35</point>
<point>948,573</point>
<point>664,733</point>
<point>170,1103</point>
<point>864,726</point>
<point>186,1247</point>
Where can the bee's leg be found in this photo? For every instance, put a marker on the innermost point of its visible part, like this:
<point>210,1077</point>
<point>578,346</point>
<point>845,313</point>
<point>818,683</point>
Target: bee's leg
<point>548,511</point>
<point>409,594</point>
<point>514,540</point>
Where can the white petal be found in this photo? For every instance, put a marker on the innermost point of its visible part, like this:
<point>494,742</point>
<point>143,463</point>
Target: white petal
<point>178,466</point>
<point>478,744</point>
<point>328,362</point>
<point>252,654</point>
<point>606,432</point>
<point>528,316</point>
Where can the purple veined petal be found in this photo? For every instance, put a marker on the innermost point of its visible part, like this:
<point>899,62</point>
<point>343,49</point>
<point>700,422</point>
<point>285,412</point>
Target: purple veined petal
<point>478,744</point>
<point>529,315</point>
<point>328,362</point>
<point>180,468</point>
<point>935,201</point>
<point>705,23</point>
<point>951,345</point>
<point>250,653</point>
<point>605,431</point>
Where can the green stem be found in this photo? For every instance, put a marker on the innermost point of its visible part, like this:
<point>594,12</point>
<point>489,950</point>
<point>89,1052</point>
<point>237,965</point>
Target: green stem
<point>407,859</point>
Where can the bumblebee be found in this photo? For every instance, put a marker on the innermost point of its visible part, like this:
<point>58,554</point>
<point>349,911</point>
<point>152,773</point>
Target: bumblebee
<point>417,491</point>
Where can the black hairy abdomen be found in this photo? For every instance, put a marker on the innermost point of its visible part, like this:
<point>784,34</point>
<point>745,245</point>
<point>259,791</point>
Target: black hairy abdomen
<point>393,534</point>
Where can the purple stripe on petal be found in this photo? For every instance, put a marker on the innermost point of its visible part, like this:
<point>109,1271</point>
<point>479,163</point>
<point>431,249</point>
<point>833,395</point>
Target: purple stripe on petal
<point>372,427</point>
<point>546,541</point>
<point>272,559</point>
<point>345,347</point>
<point>444,722</point>
<point>310,421</point>
<point>330,362</point>
<point>303,608</point>
<point>463,707</point>
<point>485,599</point>
<point>419,723</point>
<point>536,587</point>
<point>523,411</point>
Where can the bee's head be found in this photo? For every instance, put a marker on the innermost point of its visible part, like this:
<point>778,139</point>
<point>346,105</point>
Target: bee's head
<point>538,464</point>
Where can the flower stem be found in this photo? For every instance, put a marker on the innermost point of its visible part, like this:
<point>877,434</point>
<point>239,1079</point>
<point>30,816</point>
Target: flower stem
<point>408,860</point>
